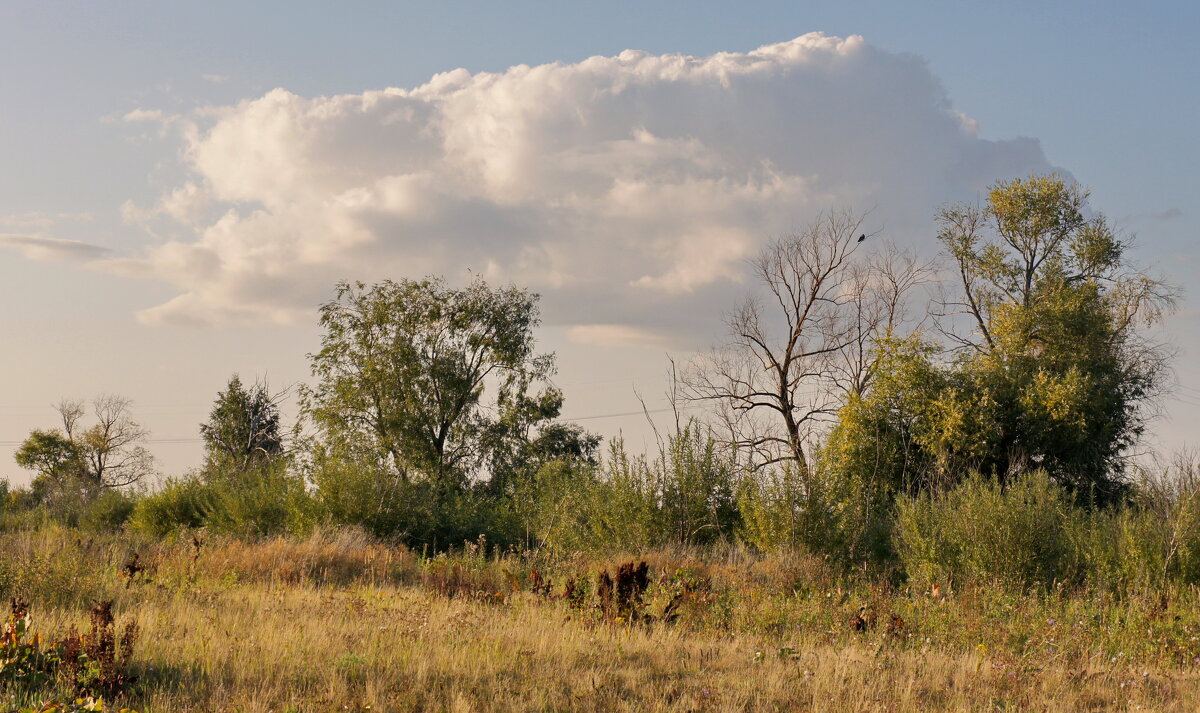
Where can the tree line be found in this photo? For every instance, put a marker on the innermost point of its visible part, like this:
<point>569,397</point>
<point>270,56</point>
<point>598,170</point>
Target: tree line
<point>836,398</point>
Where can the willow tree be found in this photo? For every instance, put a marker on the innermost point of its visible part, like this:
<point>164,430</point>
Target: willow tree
<point>1050,365</point>
<point>413,377</point>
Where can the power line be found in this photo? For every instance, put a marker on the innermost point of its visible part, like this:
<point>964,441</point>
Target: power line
<point>183,440</point>
<point>148,440</point>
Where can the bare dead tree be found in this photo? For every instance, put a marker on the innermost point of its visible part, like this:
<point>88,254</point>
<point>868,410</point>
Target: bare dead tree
<point>798,351</point>
<point>70,412</point>
<point>876,289</point>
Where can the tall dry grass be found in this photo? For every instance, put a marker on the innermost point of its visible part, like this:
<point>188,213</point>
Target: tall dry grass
<point>339,621</point>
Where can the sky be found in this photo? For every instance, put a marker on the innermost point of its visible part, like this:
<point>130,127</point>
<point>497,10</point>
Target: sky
<point>182,184</point>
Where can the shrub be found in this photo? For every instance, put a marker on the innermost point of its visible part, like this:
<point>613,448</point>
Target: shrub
<point>89,665</point>
<point>684,496</point>
<point>109,511</point>
<point>576,507</point>
<point>422,514</point>
<point>1147,544</point>
<point>981,530</point>
<point>263,501</point>
<point>775,511</point>
<point>181,505</point>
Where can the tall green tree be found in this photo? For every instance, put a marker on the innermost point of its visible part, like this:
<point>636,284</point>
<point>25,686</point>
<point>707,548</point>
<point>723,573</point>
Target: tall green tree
<point>1056,341</point>
<point>1049,366</point>
<point>243,428</point>
<point>417,378</point>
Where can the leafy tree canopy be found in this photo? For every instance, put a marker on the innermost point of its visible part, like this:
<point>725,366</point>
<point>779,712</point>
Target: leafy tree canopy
<point>425,381</point>
<point>243,428</point>
<point>1048,367</point>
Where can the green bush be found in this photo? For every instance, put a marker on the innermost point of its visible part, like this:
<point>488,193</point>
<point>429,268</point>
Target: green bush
<point>262,501</point>
<point>571,507</point>
<point>19,510</point>
<point>421,514</point>
<point>270,500</point>
<point>182,504</point>
<point>696,482</point>
<point>1147,544</point>
<point>775,511</point>
<point>110,510</point>
<point>982,531</point>
<point>684,496</point>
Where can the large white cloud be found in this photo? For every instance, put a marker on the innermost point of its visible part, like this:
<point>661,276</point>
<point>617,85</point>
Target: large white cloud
<point>628,190</point>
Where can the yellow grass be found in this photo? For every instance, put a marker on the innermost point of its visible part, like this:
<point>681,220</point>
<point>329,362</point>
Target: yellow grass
<point>292,630</point>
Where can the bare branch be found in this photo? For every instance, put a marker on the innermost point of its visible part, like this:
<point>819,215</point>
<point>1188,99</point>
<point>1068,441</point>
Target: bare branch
<point>786,371</point>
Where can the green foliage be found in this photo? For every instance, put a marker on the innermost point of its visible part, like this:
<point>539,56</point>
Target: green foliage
<point>902,435</point>
<point>696,480</point>
<point>403,371</point>
<point>1055,357</point>
<point>571,506</point>
<point>776,510</point>
<point>1032,532</point>
<point>242,431</point>
<point>1147,545</point>
<point>51,454</point>
<point>74,466</point>
<point>516,456</point>
<point>181,504</point>
<point>108,511</point>
<point>420,514</point>
<point>1052,374</point>
<point>685,496</point>
<point>982,531</point>
<point>23,662</point>
<point>267,500</point>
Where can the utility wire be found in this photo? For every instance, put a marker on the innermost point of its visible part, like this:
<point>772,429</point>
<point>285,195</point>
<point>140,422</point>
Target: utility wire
<point>577,418</point>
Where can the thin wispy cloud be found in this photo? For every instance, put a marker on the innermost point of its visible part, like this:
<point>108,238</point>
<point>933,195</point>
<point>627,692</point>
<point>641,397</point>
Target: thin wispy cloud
<point>38,220</point>
<point>618,335</point>
<point>1162,216</point>
<point>42,247</point>
<point>149,115</point>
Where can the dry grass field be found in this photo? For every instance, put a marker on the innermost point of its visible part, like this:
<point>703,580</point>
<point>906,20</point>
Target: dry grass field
<point>339,623</point>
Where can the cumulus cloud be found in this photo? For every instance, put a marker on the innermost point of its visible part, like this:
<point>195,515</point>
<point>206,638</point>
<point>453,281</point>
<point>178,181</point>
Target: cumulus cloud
<point>629,190</point>
<point>41,247</point>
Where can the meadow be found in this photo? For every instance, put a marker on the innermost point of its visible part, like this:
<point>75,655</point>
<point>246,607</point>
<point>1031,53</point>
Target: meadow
<point>870,517</point>
<point>340,621</point>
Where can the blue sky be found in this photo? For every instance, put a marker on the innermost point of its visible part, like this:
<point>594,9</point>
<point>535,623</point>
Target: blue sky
<point>1106,89</point>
